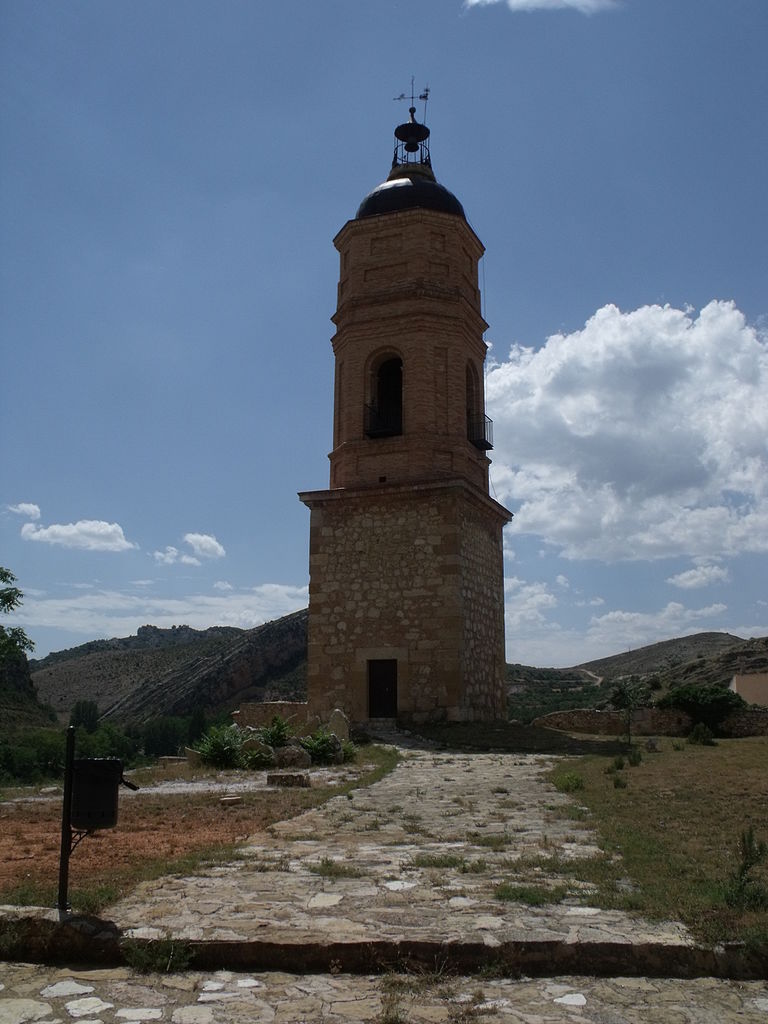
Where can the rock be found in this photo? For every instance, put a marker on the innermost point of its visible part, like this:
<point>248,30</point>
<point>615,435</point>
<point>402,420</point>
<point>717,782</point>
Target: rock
<point>338,723</point>
<point>292,757</point>
<point>338,749</point>
<point>311,725</point>
<point>228,801</point>
<point>193,756</point>
<point>300,779</point>
<point>257,745</point>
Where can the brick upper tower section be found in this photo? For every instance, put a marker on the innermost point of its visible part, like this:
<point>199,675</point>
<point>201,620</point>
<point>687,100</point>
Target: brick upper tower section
<point>409,402</point>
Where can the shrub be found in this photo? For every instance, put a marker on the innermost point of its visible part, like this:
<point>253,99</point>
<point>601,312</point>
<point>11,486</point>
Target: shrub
<point>107,741</point>
<point>322,746</point>
<point>277,733</point>
<point>701,735</point>
<point>568,782</point>
<point>619,782</point>
<point>709,704</point>
<point>635,756</point>
<point>743,892</point>
<point>257,759</point>
<point>221,747</point>
<point>348,750</point>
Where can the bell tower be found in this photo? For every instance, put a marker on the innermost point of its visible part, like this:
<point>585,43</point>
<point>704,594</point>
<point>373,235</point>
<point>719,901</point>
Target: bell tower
<point>406,608</point>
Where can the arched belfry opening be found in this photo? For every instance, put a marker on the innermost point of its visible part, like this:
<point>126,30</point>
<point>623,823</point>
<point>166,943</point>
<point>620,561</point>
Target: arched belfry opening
<point>384,409</point>
<point>406,594</point>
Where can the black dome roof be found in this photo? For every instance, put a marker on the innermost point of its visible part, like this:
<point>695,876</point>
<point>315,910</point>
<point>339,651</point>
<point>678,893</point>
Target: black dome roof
<point>409,192</point>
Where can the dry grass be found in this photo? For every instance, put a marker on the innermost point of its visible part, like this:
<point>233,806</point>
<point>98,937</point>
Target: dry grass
<point>676,827</point>
<point>155,835</point>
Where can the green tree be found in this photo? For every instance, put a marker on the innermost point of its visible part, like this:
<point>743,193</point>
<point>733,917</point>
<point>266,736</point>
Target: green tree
<point>198,723</point>
<point>86,714</point>
<point>710,703</point>
<point>14,641</point>
<point>628,695</point>
<point>163,736</point>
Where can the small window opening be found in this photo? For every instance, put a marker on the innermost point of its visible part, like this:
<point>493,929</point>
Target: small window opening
<point>384,415</point>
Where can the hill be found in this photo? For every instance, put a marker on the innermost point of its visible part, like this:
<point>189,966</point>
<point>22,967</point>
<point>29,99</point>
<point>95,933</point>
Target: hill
<point>664,657</point>
<point>171,671</point>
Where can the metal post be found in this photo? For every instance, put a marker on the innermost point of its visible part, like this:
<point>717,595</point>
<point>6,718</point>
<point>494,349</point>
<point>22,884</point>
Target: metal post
<point>66,825</point>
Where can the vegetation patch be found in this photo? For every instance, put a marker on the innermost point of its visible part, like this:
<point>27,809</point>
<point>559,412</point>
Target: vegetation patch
<point>156,835</point>
<point>571,782</point>
<point>491,841</point>
<point>671,842</point>
<point>156,956</point>
<point>533,895</point>
<point>329,868</point>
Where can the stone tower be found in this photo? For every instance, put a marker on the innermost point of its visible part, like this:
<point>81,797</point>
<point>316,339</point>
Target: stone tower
<point>406,595</point>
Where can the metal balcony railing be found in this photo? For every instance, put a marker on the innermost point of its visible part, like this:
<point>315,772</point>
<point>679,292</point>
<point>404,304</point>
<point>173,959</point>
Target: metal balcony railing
<point>480,432</point>
<point>383,423</point>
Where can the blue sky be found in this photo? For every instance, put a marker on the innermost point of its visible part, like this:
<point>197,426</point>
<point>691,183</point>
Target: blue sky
<point>172,177</point>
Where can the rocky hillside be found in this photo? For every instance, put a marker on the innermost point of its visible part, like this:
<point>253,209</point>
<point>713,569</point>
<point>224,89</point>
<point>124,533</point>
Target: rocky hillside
<point>19,705</point>
<point>665,658</point>
<point>170,671</point>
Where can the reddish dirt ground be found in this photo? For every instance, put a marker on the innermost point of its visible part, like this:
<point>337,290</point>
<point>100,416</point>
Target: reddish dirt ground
<point>152,830</point>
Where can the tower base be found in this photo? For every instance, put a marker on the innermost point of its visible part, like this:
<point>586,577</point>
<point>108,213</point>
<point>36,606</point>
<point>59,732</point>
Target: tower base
<point>406,608</point>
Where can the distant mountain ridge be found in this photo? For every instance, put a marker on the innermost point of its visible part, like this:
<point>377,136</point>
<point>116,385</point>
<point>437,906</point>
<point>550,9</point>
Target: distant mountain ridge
<point>664,656</point>
<point>171,671</point>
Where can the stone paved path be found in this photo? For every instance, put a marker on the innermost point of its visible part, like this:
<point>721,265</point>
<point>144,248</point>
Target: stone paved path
<point>415,857</point>
<point>48,995</point>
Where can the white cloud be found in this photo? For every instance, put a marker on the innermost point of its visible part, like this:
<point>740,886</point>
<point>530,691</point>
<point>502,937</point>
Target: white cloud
<point>562,581</point>
<point>223,586</point>
<point>85,535</point>
<point>170,555</point>
<point>584,6</point>
<point>641,436</point>
<point>617,630</point>
<point>526,604</point>
<point>204,545</point>
<point>26,509</point>
<point>120,613</point>
<point>701,576</point>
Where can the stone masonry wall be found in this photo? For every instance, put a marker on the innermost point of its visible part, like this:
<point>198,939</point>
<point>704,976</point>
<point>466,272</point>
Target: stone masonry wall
<point>482,596</point>
<point>388,571</point>
<point>255,714</point>
<point>650,722</point>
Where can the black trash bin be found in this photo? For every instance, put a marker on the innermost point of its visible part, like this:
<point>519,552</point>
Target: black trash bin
<point>95,781</point>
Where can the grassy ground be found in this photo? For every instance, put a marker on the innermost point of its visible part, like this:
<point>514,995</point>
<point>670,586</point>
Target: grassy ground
<point>670,830</point>
<point>156,835</point>
<point>669,827</point>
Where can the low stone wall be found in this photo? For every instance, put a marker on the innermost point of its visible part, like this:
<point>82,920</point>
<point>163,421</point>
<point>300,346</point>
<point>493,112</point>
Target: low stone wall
<point>650,722</point>
<point>645,722</point>
<point>293,711</point>
<point>752,722</point>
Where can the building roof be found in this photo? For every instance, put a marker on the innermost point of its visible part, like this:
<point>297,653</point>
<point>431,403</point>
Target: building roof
<point>407,193</point>
<point>411,183</point>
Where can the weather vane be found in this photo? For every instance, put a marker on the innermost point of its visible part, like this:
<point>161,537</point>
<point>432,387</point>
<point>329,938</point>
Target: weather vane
<point>423,96</point>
